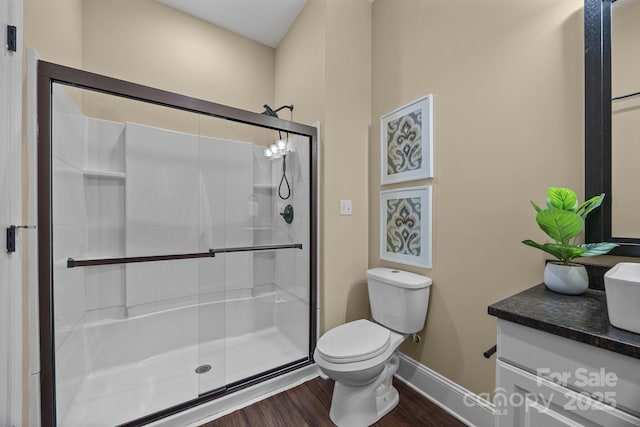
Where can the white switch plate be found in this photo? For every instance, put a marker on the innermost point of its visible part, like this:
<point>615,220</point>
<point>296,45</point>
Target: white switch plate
<point>345,207</point>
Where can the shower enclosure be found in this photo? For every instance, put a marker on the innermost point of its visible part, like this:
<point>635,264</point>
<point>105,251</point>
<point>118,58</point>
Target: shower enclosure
<point>177,261</point>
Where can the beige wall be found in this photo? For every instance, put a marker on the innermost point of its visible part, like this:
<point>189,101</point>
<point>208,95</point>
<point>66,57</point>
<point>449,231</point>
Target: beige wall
<point>55,30</point>
<point>323,67</point>
<point>300,65</point>
<point>147,42</point>
<point>345,167</point>
<point>507,80</point>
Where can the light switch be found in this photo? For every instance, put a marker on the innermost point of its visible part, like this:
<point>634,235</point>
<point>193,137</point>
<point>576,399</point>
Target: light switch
<point>345,207</point>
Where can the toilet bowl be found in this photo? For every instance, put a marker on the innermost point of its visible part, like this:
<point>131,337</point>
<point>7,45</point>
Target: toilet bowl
<point>360,355</point>
<point>362,369</point>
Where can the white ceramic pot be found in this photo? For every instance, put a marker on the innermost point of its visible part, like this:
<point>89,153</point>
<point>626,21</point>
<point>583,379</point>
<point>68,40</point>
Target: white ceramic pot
<point>569,279</point>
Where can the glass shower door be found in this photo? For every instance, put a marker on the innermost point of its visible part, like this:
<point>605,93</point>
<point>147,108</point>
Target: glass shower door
<point>124,188</point>
<point>175,249</point>
<point>261,264</point>
<point>212,272</point>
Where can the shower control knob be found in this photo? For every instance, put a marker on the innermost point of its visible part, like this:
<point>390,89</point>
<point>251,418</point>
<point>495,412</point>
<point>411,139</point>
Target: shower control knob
<point>287,214</point>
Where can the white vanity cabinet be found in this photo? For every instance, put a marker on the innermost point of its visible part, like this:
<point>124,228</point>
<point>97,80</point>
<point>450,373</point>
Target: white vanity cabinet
<point>545,380</point>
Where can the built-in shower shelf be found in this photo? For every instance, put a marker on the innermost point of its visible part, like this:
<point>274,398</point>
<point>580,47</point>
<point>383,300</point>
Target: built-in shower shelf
<point>260,228</point>
<point>264,186</point>
<point>93,173</point>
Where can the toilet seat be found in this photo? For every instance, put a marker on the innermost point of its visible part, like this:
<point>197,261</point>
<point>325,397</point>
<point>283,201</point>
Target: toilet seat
<point>353,342</point>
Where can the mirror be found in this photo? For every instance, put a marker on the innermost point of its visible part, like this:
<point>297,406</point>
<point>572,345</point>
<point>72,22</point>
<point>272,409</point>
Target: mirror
<point>625,118</point>
<point>612,110</point>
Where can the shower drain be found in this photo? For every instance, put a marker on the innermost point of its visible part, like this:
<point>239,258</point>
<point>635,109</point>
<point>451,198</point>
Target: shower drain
<point>202,369</point>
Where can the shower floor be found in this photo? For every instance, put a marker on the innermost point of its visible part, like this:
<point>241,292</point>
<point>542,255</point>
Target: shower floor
<point>114,396</point>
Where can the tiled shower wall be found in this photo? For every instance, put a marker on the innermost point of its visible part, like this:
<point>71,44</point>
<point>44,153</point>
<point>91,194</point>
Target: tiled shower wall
<point>186,193</point>
<point>129,189</point>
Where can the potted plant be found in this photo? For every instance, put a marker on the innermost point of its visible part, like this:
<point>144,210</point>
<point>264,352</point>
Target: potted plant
<point>563,221</point>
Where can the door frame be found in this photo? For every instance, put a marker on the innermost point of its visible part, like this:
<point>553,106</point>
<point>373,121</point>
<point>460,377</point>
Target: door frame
<point>11,283</point>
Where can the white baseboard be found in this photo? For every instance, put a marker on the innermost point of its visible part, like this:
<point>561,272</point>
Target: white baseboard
<point>468,407</point>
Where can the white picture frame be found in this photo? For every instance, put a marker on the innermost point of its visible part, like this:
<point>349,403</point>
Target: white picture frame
<point>406,136</point>
<point>405,226</point>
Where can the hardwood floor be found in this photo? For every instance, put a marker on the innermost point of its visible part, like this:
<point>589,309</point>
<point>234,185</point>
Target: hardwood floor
<point>308,406</point>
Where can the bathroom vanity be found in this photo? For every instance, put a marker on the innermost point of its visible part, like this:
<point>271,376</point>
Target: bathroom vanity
<point>561,363</point>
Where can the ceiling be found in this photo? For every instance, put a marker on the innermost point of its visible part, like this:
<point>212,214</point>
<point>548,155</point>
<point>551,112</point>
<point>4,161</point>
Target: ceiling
<point>265,21</point>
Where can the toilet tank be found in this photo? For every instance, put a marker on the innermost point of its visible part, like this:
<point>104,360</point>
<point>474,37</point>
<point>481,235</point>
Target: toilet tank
<point>398,299</point>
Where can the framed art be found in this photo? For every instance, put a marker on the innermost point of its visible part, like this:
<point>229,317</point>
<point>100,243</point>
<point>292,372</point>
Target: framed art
<point>406,136</point>
<point>405,226</point>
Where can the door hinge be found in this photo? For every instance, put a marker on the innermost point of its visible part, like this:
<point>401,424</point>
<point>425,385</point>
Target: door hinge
<point>11,235</point>
<point>12,38</point>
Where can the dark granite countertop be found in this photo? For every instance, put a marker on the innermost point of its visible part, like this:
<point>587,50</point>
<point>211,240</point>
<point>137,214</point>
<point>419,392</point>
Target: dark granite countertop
<point>581,318</point>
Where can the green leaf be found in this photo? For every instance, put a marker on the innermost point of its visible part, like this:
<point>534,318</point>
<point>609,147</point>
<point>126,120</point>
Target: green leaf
<point>536,207</point>
<point>560,225</point>
<point>564,253</point>
<point>590,205</point>
<point>553,251</point>
<point>593,249</point>
<point>562,198</point>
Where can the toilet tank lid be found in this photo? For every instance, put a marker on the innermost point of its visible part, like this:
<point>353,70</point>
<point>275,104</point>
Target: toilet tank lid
<point>403,279</point>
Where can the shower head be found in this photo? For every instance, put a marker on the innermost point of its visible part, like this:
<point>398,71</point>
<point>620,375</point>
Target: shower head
<point>268,111</point>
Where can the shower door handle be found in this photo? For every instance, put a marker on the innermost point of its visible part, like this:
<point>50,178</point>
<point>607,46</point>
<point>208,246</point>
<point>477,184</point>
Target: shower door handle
<point>213,252</point>
<point>71,262</point>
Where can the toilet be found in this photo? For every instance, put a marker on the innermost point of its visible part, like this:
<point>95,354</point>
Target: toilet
<point>360,355</point>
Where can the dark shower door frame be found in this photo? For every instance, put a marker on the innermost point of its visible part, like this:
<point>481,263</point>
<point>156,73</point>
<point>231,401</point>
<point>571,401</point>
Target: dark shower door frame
<point>48,74</point>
